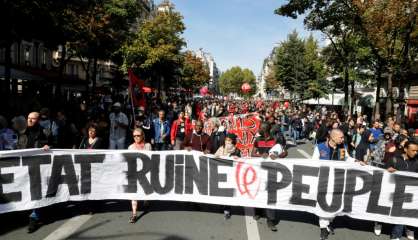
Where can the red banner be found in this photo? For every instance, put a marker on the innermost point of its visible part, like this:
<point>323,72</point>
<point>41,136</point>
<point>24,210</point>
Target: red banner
<point>245,126</point>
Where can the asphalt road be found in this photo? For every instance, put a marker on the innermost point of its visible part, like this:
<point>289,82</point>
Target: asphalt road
<point>177,221</point>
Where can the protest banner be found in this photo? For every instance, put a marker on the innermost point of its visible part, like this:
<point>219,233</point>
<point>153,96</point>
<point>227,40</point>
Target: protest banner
<point>245,126</point>
<point>33,178</point>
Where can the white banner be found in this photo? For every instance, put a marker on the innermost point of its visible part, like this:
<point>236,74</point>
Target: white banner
<point>34,178</point>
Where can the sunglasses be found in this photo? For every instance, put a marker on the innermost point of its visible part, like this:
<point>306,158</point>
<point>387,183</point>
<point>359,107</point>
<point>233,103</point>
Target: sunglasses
<point>138,135</point>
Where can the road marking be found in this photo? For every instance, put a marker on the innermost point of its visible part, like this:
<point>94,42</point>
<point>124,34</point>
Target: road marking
<point>68,228</point>
<point>305,154</point>
<point>251,224</point>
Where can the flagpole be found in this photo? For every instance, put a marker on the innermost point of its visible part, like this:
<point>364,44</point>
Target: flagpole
<point>131,97</point>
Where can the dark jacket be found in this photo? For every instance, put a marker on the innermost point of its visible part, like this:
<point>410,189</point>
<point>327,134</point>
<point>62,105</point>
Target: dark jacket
<point>363,146</point>
<point>217,139</point>
<point>98,144</point>
<point>399,163</point>
<point>36,137</point>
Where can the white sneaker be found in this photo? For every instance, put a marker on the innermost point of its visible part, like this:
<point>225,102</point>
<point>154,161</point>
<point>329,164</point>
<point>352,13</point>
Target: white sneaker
<point>394,239</point>
<point>410,234</point>
<point>377,228</point>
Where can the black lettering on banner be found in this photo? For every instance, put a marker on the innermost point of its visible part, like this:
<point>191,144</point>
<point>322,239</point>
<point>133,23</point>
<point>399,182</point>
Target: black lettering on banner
<point>337,193</point>
<point>179,174</point>
<point>400,197</point>
<point>215,178</point>
<point>6,178</point>
<point>298,187</point>
<point>85,162</point>
<point>134,176</point>
<point>272,185</point>
<point>350,187</point>
<point>373,205</point>
<point>34,170</point>
<point>169,174</point>
<point>62,162</point>
<point>193,174</point>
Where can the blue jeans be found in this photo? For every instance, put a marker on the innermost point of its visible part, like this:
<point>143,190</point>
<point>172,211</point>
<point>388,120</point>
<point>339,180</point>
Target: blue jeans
<point>397,231</point>
<point>295,135</point>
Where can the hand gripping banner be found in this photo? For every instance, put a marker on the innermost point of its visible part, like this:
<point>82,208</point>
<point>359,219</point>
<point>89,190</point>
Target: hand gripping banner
<point>35,178</point>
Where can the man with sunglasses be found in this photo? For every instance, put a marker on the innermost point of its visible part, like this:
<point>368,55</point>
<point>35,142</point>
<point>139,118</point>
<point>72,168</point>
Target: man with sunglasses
<point>332,149</point>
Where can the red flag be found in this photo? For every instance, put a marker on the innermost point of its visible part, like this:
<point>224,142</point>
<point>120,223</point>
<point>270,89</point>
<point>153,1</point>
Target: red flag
<point>136,86</point>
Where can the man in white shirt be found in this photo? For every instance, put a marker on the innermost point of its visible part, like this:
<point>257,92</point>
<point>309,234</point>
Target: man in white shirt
<point>118,126</point>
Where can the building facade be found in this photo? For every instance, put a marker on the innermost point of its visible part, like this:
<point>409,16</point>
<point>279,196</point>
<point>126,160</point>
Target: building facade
<point>33,65</point>
<point>209,61</point>
<point>266,72</point>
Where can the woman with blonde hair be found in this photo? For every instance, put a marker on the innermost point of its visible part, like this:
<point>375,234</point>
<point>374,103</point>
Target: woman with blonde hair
<point>138,144</point>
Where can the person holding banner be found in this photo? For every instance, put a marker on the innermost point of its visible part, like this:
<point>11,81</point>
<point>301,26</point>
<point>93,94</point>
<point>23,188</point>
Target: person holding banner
<point>333,149</point>
<point>92,141</point>
<point>139,144</point>
<point>405,162</point>
<point>35,139</point>
<point>228,149</point>
<point>262,146</point>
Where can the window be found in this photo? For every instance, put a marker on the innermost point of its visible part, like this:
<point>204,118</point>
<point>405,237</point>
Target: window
<point>44,57</point>
<point>27,56</point>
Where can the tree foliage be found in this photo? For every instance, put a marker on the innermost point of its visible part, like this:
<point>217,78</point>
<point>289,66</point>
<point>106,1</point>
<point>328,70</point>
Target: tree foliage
<point>232,79</point>
<point>272,84</point>
<point>194,73</point>
<point>299,68</point>
<point>155,50</point>
<point>387,27</point>
<point>90,29</point>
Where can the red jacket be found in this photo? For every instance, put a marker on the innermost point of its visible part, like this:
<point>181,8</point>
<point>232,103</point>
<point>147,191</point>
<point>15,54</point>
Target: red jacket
<point>188,128</point>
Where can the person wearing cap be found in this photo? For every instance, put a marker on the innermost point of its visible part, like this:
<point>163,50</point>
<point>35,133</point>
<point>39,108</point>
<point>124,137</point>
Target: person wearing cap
<point>228,149</point>
<point>118,127</point>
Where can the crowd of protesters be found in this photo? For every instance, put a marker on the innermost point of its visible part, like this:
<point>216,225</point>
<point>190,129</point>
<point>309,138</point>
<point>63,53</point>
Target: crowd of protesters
<point>193,123</point>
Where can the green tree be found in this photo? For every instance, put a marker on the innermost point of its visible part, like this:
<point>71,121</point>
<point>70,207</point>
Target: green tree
<point>272,82</point>
<point>393,41</point>
<point>388,26</point>
<point>194,73</point>
<point>154,52</point>
<point>290,65</point>
<point>333,18</point>
<point>315,71</point>
<point>299,68</point>
<point>232,79</point>
<point>103,26</point>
